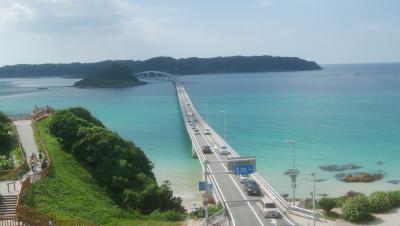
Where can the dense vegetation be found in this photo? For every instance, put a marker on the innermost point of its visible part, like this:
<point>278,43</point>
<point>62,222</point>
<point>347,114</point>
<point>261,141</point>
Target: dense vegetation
<point>5,137</point>
<point>184,66</point>
<point>118,165</point>
<point>118,75</point>
<point>357,207</point>
<point>10,153</point>
<point>70,191</point>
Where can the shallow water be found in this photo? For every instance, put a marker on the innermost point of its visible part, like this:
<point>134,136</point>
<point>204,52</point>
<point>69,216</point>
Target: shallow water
<point>342,114</point>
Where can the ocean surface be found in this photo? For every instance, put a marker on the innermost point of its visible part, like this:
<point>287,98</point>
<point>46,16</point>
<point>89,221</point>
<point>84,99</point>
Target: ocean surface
<point>339,115</point>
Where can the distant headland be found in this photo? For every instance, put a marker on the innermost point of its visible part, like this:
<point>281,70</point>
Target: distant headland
<point>182,66</point>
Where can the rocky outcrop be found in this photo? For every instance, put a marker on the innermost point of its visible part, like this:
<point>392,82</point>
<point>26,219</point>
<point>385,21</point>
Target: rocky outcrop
<point>337,168</point>
<point>360,177</point>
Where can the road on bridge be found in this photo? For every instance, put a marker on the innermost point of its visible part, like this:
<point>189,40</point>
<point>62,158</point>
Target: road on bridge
<point>243,209</point>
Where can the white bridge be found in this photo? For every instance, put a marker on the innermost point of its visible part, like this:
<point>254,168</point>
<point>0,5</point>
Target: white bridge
<point>239,208</point>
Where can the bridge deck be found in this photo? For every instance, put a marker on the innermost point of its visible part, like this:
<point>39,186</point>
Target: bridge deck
<point>243,209</point>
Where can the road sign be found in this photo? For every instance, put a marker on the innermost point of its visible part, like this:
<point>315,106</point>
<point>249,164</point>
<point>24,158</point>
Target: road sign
<point>233,162</point>
<point>240,170</point>
<point>202,185</point>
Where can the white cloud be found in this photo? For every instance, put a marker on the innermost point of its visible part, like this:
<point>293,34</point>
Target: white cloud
<point>13,12</point>
<point>265,3</point>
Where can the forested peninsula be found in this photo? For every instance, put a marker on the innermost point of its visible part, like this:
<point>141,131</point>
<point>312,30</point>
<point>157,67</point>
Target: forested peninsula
<point>182,66</point>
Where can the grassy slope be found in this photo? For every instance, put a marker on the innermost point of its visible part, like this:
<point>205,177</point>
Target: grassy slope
<point>70,191</point>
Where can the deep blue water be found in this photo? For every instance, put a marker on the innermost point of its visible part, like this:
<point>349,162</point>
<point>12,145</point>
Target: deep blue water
<point>341,114</point>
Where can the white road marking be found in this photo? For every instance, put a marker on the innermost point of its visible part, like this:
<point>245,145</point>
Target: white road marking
<point>273,221</point>
<point>240,190</point>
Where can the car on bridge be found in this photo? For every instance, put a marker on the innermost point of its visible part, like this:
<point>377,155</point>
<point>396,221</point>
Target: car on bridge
<point>268,208</point>
<point>251,187</point>
<point>207,132</point>
<point>223,150</point>
<point>206,149</point>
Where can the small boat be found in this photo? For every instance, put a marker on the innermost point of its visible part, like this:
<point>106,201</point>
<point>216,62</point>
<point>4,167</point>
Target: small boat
<point>43,88</point>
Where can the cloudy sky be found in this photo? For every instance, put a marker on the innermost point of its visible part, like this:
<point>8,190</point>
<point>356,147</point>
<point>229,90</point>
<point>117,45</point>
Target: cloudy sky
<point>327,31</point>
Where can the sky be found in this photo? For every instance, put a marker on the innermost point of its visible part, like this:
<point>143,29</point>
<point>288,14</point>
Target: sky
<point>325,31</point>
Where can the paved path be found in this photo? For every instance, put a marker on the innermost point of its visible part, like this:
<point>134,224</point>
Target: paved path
<point>25,132</point>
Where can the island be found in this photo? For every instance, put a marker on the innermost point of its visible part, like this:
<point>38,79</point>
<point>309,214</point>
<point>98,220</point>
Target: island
<point>182,66</point>
<point>117,76</point>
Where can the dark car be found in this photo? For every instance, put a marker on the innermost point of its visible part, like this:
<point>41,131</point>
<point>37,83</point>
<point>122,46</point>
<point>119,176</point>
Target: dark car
<point>206,149</point>
<point>251,187</point>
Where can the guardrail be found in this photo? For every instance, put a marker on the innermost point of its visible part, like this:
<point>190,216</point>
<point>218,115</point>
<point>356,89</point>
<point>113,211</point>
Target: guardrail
<point>282,203</point>
<point>202,158</point>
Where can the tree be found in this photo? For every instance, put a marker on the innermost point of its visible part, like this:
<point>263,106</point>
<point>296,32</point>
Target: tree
<point>118,165</point>
<point>327,204</point>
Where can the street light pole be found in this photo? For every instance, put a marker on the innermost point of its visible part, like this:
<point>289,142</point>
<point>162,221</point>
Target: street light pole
<point>293,143</point>
<point>313,201</point>
<point>293,173</point>
<point>224,124</point>
<point>206,112</point>
<point>313,195</point>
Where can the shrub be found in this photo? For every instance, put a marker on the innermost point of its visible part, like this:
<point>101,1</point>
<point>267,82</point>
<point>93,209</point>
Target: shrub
<point>394,198</point>
<point>212,209</point>
<point>340,201</point>
<point>356,209</point>
<point>166,216</point>
<point>327,204</point>
<point>379,202</point>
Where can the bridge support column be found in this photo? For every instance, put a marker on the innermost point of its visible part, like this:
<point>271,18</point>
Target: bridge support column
<point>194,153</point>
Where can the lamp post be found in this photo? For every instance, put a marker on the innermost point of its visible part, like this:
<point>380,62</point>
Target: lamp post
<point>224,124</point>
<point>313,195</point>
<point>293,173</point>
<point>206,112</point>
<point>313,201</point>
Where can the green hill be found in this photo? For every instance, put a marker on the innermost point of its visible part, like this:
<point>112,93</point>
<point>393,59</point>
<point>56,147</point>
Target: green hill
<point>70,191</point>
<point>117,76</point>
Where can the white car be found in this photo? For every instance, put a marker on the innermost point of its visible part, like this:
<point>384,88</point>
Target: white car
<point>223,150</point>
<point>268,208</point>
<point>207,132</point>
<point>244,177</point>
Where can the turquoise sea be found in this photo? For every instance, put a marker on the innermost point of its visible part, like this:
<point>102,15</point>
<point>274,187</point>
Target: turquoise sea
<point>341,114</point>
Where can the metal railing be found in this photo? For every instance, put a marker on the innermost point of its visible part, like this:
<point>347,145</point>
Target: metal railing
<point>268,189</point>
<point>202,158</point>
